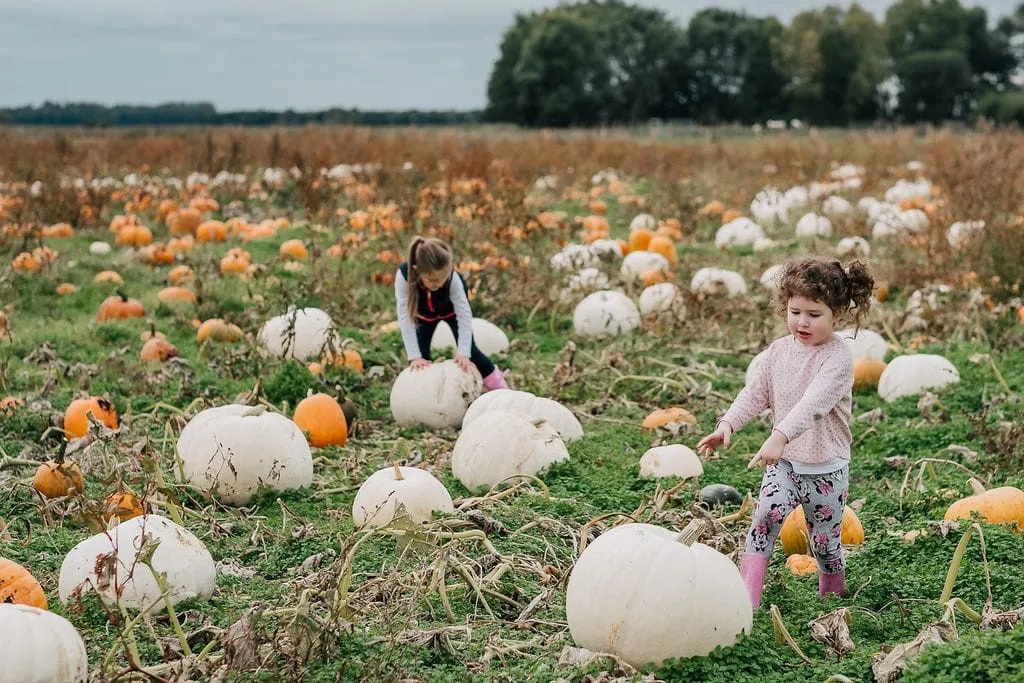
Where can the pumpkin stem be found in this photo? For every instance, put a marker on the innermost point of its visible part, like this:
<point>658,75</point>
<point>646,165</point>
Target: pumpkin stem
<point>977,486</point>
<point>61,452</point>
<point>398,473</point>
<point>954,565</point>
<point>124,299</point>
<point>253,397</point>
<point>255,411</point>
<point>691,532</point>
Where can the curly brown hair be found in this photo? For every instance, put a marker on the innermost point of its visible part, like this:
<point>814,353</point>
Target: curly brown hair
<point>826,281</point>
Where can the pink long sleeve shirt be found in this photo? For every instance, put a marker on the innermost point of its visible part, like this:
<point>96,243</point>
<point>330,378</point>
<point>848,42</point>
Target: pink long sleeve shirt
<point>808,389</point>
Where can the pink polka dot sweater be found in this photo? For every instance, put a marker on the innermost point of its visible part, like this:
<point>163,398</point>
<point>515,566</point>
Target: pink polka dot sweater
<point>808,389</point>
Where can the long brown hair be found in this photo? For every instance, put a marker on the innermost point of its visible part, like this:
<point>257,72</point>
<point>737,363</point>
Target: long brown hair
<point>827,281</point>
<point>426,255</point>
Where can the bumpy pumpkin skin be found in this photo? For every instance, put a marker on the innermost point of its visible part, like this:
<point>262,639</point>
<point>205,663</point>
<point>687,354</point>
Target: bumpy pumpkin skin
<point>19,587</point>
<point>794,531</point>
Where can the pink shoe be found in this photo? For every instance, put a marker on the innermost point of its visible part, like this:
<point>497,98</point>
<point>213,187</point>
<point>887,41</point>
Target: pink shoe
<point>496,380</point>
<point>831,583</point>
<point>753,567</point>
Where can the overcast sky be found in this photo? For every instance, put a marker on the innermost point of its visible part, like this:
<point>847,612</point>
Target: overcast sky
<point>278,54</point>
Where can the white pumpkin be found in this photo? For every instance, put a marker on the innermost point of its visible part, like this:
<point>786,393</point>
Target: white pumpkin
<point>796,197</point>
<point>910,375</point>
<point>99,248</point>
<point>605,314</point>
<point>606,250</point>
<point>531,406</point>
<point>914,220</point>
<point>853,247</point>
<point>500,444</point>
<point>233,450</point>
<point>638,593</point>
<point>574,256</point>
<point>718,281</point>
<point>40,647</point>
<point>673,460</point>
<point>813,225</point>
<point>961,233</point>
<point>663,298</point>
<point>764,244</point>
<point>643,221</point>
<point>489,337</point>
<point>864,344</point>
<point>836,207</point>
<point>435,396</point>
<point>417,490</point>
<point>637,263</point>
<point>769,207</point>
<point>772,277</point>
<point>867,205</point>
<point>739,232</point>
<point>584,282</point>
<point>187,564</point>
<point>908,190</point>
<point>302,334</point>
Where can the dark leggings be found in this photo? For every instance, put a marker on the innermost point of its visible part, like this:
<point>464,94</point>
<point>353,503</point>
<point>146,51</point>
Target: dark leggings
<point>425,332</point>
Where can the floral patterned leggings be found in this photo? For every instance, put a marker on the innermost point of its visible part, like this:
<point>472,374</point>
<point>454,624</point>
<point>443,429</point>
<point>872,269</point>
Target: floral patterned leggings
<point>822,496</point>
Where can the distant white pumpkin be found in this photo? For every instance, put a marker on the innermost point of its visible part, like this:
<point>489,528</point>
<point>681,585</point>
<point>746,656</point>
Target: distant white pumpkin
<point>796,197</point>
<point>584,282</point>
<point>853,247</point>
<point>637,263</point>
<point>910,375</point>
<point>864,344</point>
<point>303,334</point>
<point>663,298</point>
<point>500,444</point>
<point>235,449</point>
<point>961,233</point>
<point>812,225</point>
<point>836,207</point>
<point>673,460</point>
<point>99,248</point>
<point>108,563</point>
<point>772,277</point>
<point>40,647</point>
<point>435,396</point>
<point>638,593</point>
<point>489,337</point>
<point>532,406</point>
<point>417,490</point>
<point>764,244</point>
<point>643,221</point>
<point>574,256</point>
<point>718,281</point>
<point>605,314</point>
<point>769,207</point>
<point>739,232</point>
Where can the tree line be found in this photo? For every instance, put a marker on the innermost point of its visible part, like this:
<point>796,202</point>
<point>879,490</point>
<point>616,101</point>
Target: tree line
<point>596,63</point>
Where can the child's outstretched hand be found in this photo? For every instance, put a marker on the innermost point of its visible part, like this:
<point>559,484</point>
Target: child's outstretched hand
<point>720,437</point>
<point>463,363</point>
<point>771,450</point>
<point>419,363</point>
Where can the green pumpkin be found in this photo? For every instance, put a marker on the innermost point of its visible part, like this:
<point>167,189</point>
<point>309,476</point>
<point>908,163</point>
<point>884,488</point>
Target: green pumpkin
<point>719,494</point>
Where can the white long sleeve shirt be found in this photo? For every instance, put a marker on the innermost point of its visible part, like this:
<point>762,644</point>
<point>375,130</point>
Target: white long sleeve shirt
<point>463,316</point>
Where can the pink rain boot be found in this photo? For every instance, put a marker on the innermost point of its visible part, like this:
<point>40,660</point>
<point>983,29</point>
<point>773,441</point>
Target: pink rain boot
<point>831,583</point>
<point>496,380</point>
<point>753,567</point>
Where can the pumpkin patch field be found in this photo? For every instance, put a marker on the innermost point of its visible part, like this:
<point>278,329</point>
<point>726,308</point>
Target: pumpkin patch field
<point>215,463</point>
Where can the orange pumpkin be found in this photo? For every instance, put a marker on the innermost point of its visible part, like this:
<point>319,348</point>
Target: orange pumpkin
<point>157,350</point>
<point>211,231</point>
<point>169,294</point>
<point>730,215</point>
<point>315,368</point>
<point>184,221</point>
<point>65,288</point>
<point>598,206</point>
<point>216,329</point>
<point>181,245</point>
<point>801,565</point>
<point>18,586</point>
<point>166,208</point>
<point>655,276</point>
<point>624,247</point>
<point>156,254</point>
<point>75,421</point>
<point>294,249</point>
<point>347,358</point>
<point>204,204</point>
<point>122,504</point>
<point>664,246</point>
<point>108,276</point>
<point>9,404</point>
<point>712,208</point>
<point>180,274</point>
<point>58,230</point>
<point>134,235</point>
<point>119,306</point>
<point>866,373</point>
<point>794,531</point>
<point>55,479</point>
<point>640,239</point>
<point>26,263</point>
<point>235,262</point>
<point>1004,505</point>
<point>668,416</point>
<point>321,418</point>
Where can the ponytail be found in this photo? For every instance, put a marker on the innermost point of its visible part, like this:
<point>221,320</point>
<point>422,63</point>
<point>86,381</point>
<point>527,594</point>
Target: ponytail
<point>859,285</point>
<point>412,281</point>
<point>426,255</point>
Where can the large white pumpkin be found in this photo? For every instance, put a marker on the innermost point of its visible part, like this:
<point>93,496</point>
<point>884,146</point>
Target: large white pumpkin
<point>739,232</point>
<point>961,233</point>
<point>641,595</point>
<point>673,460</point>
<point>769,207</point>
<point>435,396</point>
<point>813,225</point>
<point>302,333</point>
<point>500,444</point>
<point>718,281</point>
<point>180,555</point>
<point>584,282</point>
<point>235,449</point>
<point>531,406</point>
<point>910,375</point>
<point>40,647</point>
<point>796,197</point>
<point>489,337</point>
<point>574,256</point>
<point>605,314</point>
<point>864,344</point>
<point>836,207</point>
<point>664,297</point>
<point>637,263</point>
<point>416,489</point>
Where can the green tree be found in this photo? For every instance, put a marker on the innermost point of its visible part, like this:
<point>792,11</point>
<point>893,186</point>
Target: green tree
<point>717,61</point>
<point>936,85</point>
<point>763,88</point>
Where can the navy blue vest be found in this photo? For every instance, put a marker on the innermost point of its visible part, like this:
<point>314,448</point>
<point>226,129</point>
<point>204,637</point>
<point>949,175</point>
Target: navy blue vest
<point>433,306</point>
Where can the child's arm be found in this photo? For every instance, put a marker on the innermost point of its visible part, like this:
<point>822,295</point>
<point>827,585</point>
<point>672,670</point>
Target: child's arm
<point>752,399</point>
<point>463,315</point>
<point>829,386</point>
<point>405,323</point>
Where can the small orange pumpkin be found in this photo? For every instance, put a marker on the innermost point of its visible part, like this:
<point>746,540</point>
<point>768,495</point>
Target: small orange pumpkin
<point>124,505</point>
<point>235,262</point>
<point>1004,505</point>
<point>640,239</point>
<point>216,329</point>
<point>169,294</point>
<point>119,306</point>
<point>866,373</point>
<point>180,274</point>
<point>26,263</point>
<point>157,350</point>
<point>166,208</point>
<point>58,478</point>
<point>62,230</point>
<point>181,245</point>
<point>184,221</point>
<point>134,235</point>
<point>65,288</point>
<point>794,531</point>
<point>664,246</point>
<point>19,587</point>
<point>346,358</point>
<point>321,418</point>
<point>108,276</point>
<point>801,565</point>
<point>75,422</point>
<point>211,231</point>
<point>204,204</point>
<point>294,249</point>
<point>664,417</point>
<point>730,215</point>
<point>655,276</point>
